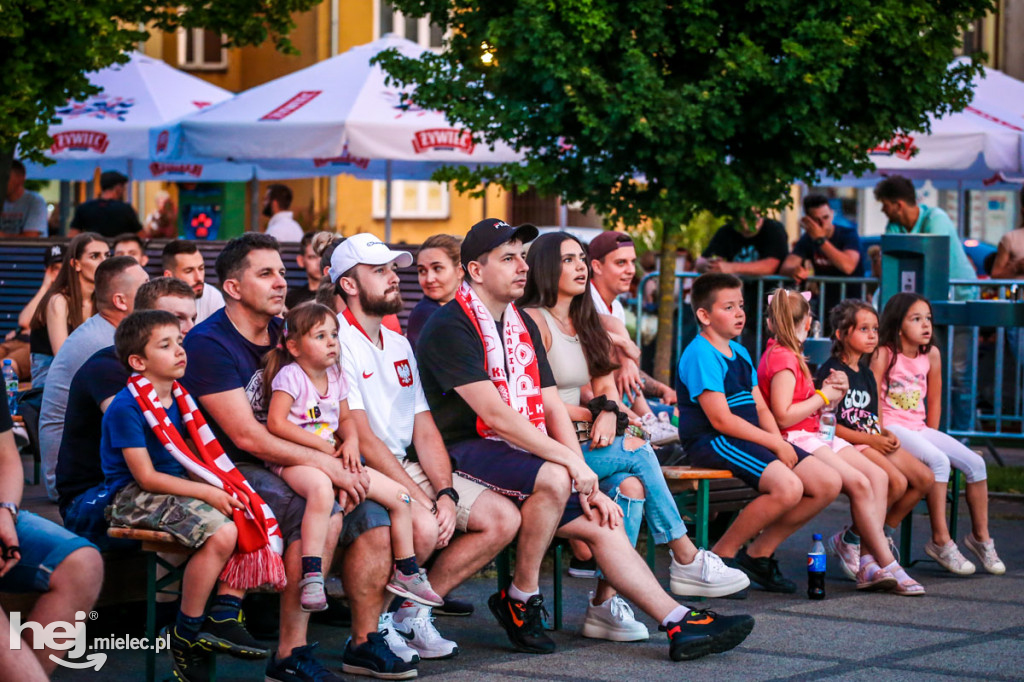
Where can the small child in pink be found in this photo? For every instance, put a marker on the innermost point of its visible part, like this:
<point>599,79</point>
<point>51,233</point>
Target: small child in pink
<point>909,370</point>
<point>785,380</point>
<point>308,405</point>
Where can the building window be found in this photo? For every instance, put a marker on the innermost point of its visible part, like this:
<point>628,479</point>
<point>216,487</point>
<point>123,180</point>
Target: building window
<point>389,20</point>
<point>411,200</point>
<point>201,49</point>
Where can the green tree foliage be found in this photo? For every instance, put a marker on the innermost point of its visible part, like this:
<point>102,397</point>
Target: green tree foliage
<point>642,108</point>
<point>48,46</point>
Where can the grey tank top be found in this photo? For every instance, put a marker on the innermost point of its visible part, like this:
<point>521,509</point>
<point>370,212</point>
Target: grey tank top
<point>568,364</point>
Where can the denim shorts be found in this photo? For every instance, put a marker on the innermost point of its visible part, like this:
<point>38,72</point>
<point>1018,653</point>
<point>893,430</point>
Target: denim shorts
<point>289,507</point>
<point>44,545</point>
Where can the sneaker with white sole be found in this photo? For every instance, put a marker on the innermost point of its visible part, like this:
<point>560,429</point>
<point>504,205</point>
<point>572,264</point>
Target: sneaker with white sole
<point>398,645</point>
<point>614,621</point>
<point>847,553</point>
<point>705,576</point>
<point>986,553</point>
<point>419,633</point>
<point>949,557</point>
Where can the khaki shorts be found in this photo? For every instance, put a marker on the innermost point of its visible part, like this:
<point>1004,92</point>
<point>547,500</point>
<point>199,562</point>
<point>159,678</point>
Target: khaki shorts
<point>468,491</point>
<point>192,522</point>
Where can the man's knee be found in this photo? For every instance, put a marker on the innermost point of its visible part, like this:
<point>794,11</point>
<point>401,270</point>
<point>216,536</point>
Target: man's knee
<point>80,574</point>
<point>367,560</point>
<point>553,479</point>
<point>497,517</point>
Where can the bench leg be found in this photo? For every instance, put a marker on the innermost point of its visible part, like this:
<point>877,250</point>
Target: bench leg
<point>558,585</point>
<point>650,547</point>
<point>906,540</point>
<point>954,506</point>
<point>151,590</point>
<point>503,564</point>
<point>702,512</point>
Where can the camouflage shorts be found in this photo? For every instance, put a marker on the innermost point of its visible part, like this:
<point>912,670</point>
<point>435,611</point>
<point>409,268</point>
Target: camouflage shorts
<point>191,521</point>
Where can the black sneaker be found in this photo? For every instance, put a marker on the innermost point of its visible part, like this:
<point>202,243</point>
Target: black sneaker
<point>705,632</point>
<point>732,563</point>
<point>454,607</point>
<point>765,572</point>
<point>191,660</point>
<point>523,623</point>
<point>582,569</point>
<point>229,636</point>
<point>300,666</point>
<point>374,659</point>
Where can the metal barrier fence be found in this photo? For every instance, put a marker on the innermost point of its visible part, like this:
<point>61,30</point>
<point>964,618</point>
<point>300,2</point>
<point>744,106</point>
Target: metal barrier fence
<point>984,401</point>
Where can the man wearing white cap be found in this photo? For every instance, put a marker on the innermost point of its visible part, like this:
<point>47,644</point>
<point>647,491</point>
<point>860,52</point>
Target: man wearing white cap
<point>397,436</point>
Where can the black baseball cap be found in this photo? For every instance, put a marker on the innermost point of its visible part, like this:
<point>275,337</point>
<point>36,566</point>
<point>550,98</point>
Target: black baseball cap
<point>111,179</point>
<point>491,233</point>
<point>54,254</point>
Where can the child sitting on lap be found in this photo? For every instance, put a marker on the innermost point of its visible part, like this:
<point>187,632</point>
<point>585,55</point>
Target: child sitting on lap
<point>158,481</point>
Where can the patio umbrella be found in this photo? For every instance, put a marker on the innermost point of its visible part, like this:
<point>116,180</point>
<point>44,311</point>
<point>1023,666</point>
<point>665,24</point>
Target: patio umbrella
<point>337,113</point>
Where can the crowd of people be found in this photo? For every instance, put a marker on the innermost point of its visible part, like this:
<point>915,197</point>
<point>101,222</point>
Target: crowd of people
<point>286,436</point>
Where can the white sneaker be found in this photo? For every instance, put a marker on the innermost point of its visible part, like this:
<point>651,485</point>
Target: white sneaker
<point>705,576</point>
<point>613,621</point>
<point>386,627</point>
<point>986,553</point>
<point>419,633</point>
<point>660,432</point>
<point>949,557</point>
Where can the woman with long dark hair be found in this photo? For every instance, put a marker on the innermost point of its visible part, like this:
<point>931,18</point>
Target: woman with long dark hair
<point>67,304</point>
<point>439,267</point>
<point>580,354</point>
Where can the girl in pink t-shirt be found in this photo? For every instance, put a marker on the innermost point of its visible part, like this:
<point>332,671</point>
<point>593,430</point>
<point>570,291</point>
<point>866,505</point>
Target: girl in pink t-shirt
<point>309,406</point>
<point>785,380</point>
<point>909,373</point>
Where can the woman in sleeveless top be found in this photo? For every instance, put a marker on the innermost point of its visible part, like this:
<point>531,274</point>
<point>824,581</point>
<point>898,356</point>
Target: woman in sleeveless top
<point>580,354</point>
<point>67,304</point>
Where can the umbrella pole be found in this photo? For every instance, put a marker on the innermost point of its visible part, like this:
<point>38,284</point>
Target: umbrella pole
<point>254,204</point>
<point>387,202</point>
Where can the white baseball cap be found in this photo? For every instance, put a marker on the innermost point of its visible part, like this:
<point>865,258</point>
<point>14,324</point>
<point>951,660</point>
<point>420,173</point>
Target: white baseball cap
<point>365,249</point>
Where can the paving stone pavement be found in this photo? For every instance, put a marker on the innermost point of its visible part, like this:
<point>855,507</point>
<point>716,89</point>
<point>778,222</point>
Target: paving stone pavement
<point>963,629</point>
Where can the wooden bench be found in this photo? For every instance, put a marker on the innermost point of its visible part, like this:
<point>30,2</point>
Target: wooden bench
<point>155,543</point>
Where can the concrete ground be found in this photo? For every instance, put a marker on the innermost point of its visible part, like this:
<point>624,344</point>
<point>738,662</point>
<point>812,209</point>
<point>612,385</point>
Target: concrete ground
<point>964,628</point>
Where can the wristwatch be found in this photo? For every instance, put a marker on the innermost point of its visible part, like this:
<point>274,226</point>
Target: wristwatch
<point>450,492</point>
<point>819,242</point>
<point>11,507</point>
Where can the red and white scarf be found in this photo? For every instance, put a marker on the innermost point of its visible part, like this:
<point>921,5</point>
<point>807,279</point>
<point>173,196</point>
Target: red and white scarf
<point>519,386</point>
<point>257,558</point>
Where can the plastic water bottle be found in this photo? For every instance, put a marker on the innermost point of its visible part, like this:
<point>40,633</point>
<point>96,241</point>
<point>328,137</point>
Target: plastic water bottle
<point>827,423</point>
<point>816,569</point>
<point>11,384</point>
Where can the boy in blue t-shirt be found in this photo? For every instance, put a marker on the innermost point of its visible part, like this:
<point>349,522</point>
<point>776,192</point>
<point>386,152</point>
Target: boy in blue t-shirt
<point>725,424</point>
<point>150,489</point>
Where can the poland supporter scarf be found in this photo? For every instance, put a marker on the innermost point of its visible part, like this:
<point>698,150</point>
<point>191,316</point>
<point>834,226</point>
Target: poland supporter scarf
<point>520,386</point>
<point>257,558</point>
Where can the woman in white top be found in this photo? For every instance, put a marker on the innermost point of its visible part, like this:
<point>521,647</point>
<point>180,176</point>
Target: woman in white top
<point>580,353</point>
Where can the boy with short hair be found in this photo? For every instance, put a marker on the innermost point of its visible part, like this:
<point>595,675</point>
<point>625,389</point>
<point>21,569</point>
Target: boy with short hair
<point>725,424</point>
<point>147,465</point>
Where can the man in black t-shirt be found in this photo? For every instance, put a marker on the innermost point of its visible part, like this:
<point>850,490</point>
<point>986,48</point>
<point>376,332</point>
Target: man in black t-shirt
<point>81,492</point>
<point>107,215</point>
<point>832,250</point>
<point>530,452</point>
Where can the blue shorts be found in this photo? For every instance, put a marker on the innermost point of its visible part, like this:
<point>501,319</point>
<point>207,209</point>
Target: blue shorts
<point>506,470</point>
<point>746,460</point>
<point>44,545</point>
<point>289,507</point>
<point>84,515</point>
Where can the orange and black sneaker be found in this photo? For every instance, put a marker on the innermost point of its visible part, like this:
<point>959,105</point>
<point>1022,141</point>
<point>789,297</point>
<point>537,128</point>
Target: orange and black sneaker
<point>523,622</point>
<point>705,632</point>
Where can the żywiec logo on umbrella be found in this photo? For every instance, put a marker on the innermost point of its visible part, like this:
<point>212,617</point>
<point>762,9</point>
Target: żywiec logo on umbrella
<point>193,169</point>
<point>901,146</point>
<point>346,159</point>
<point>443,139</point>
<point>80,140</point>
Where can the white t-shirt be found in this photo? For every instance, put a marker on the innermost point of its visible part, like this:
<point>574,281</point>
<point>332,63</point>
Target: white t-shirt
<point>283,228</point>
<point>210,302</point>
<point>385,383</point>
<point>602,308</point>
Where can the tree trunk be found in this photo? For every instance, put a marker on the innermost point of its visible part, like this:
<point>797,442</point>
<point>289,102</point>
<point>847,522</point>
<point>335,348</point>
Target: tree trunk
<point>6,156</point>
<point>663,355</point>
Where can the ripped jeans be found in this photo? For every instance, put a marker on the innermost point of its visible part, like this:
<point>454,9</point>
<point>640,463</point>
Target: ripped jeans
<point>613,464</point>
